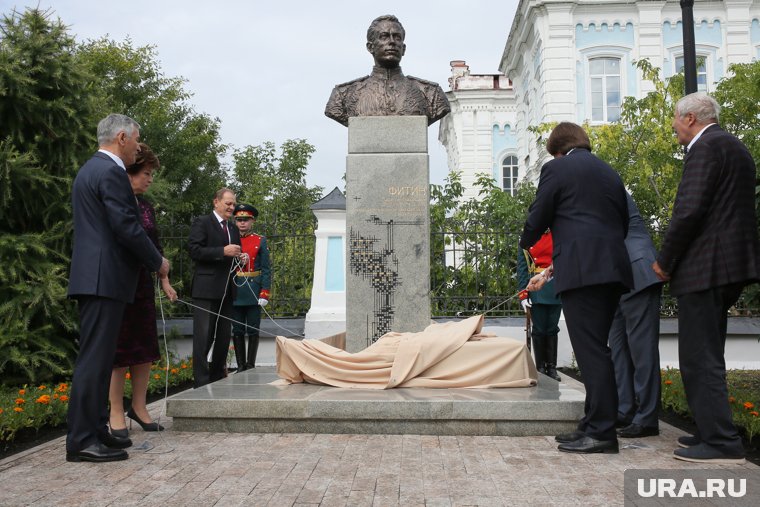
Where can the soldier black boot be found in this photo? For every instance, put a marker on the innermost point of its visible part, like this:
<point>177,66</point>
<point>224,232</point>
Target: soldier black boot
<point>551,357</point>
<point>253,348</point>
<point>538,351</point>
<point>239,342</point>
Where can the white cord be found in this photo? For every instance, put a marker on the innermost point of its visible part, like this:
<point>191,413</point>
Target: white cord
<point>166,376</point>
<point>246,282</point>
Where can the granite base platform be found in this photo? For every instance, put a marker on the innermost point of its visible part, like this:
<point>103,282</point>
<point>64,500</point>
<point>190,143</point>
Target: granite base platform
<point>246,403</point>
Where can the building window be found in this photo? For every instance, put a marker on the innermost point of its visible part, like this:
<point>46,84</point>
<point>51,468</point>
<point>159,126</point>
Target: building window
<point>509,174</point>
<point>604,74</point>
<point>701,71</point>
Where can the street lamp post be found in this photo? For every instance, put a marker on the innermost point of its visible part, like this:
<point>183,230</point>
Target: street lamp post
<point>689,49</point>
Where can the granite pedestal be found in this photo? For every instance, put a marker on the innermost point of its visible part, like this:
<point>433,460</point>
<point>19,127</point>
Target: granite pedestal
<point>388,228</point>
<point>245,402</point>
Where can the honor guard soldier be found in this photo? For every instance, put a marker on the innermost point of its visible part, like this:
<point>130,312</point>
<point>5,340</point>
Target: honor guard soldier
<point>253,283</point>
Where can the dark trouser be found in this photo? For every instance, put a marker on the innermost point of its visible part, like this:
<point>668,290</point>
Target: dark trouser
<point>544,330</point>
<point>588,314</point>
<point>248,320</point>
<point>99,324</point>
<point>634,341</point>
<point>208,330</point>
<point>702,322</point>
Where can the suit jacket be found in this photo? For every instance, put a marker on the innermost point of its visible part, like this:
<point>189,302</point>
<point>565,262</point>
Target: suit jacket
<point>206,244</point>
<point>641,250</point>
<point>109,240</point>
<point>583,201</point>
<point>712,237</point>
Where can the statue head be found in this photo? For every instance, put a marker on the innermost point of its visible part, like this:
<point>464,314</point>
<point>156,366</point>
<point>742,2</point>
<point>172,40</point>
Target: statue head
<point>385,40</point>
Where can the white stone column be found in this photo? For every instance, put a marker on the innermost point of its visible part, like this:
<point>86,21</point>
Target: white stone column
<point>650,40</point>
<point>557,98</point>
<point>327,314</point>
<point>738,40</point>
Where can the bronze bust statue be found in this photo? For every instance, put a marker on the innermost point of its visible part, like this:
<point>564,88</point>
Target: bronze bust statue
<point>387,91</point>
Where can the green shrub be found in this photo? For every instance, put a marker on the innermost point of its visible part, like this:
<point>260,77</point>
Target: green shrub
<point>39,406</point>
<point>743,396</point>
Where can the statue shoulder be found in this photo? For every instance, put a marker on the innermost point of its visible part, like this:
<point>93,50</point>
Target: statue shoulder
<point>425,82</point>
<point>438,104</point>
<point>353,82</point>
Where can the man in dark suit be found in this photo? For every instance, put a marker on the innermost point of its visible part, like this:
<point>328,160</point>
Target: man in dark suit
<point>709,253</point>
<point>583,201</point>
<point>635,335</point>
<point>109,246</point>
<point>213,244</point>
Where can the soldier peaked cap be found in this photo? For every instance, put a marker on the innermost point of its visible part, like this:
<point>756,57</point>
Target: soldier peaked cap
<point>245,210</point>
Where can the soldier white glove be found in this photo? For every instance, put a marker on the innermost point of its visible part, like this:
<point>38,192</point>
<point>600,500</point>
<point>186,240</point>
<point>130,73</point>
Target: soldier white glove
<point>263,302</point>
<point>526,304</point>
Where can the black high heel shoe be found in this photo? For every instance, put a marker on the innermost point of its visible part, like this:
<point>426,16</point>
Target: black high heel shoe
<point>152,426</point>
<point>122,433</point>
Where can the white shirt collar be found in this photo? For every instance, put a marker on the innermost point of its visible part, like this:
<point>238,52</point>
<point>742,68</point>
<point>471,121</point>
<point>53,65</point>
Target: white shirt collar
<point>699,134</point>
<point>115,158</point>
<point>218,218</point>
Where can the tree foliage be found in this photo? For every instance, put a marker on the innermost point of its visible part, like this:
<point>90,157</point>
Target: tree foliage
<point>130,81</point>
<point>275,183</point>
<point>47,113</point>
<point>739,96</point>
<point>474,247</point>
<point>641,146</point>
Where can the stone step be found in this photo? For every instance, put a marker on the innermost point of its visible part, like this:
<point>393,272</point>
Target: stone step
<point>246,402</point>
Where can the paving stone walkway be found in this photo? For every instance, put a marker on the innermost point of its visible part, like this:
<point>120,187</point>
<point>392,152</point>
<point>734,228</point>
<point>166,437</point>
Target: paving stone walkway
<point>231,469</point>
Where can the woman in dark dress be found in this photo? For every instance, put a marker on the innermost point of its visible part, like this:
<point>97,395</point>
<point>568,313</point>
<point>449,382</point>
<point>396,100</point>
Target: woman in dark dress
<point>137,347</point>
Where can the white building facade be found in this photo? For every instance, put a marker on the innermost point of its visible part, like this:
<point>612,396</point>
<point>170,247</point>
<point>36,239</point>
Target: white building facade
<point>574,60</point>
<point>479,134</point>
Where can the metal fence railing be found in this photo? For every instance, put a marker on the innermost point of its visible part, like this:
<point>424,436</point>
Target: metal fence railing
<point>292,259</point>
<point>471,272</point>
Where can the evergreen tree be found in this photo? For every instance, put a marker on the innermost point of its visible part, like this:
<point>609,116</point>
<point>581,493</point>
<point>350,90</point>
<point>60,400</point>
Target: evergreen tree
<point>47,129</point>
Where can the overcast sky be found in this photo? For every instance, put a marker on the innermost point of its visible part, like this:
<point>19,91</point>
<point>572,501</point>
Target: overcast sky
<point>266,68</point>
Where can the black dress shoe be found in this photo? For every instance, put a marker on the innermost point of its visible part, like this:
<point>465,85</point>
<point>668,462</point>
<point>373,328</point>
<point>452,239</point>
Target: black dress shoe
<point>637,431</point>
<point>687,441</point>
<point>569,437</point>
<point>97,453</point>
<point>589,445</point>
<point>114,442</point>
<point>702,453</point>
<point>622,423</point>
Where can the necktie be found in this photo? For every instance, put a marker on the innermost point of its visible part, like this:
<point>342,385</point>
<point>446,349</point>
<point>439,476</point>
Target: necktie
<point>224,228</point>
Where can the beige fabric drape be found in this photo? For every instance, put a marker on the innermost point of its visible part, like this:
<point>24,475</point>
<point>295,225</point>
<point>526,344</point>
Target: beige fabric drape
<point>452,354</point>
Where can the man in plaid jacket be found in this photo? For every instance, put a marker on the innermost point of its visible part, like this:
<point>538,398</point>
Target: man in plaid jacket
<point>709,253</point>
